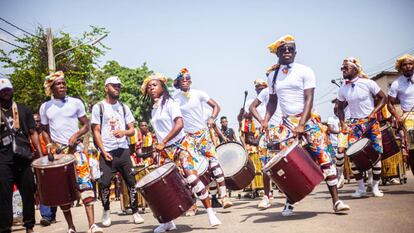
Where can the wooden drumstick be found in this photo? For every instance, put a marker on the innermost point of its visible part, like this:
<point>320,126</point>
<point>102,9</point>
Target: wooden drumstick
<point>245,98</point>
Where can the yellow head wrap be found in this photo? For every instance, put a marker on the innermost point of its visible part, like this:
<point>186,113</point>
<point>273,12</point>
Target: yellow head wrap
<point>281,41</point>
<point>401,59</point>
<point>260,82</point>
<point>50,80</point>
<point>355,63</point>
<point>156,76</point>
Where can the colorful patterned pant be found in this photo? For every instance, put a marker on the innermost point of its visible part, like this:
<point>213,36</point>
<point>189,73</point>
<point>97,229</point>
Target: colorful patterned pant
<point>317,144</point>
<point>202,143</point>
<point>363,127</point>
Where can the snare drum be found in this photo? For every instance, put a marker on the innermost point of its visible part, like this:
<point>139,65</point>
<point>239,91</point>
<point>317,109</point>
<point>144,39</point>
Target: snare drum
<point>363,154</point>
<point>238,169</point>
<point>56,180</point>
<point>294,172</point>
<point>166,192</point>
<point>388,142</point>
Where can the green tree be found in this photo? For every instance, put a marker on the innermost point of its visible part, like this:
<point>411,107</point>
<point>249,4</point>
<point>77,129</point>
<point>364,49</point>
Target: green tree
<point>29,64</point>
<point>132,79</point>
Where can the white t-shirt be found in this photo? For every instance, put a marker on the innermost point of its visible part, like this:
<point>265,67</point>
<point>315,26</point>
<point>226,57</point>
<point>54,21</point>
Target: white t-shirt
<point>290,87</point>
<point>62,117</point>
<point>162,119</point>
<point>403,89</point>
<point>192,109</point>
<point>263,97</point>
<point>112,119</point>
<point>334,121</point>
<point>360,97</point>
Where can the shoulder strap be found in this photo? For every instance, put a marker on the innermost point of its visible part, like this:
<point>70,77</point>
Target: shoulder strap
<point>101,111</point>
<point>274,77</point>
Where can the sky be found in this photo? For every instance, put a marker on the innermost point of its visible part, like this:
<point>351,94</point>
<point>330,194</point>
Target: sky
<point>224,43</point>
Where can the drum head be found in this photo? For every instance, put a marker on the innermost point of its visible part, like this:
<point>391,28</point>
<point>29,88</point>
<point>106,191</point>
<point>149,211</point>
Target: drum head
<point>280,155</point>
<point>60,160</point>
<point>357,146</point>
<point>200,163</point>
<point>232,157</point>
<point>156,174</point>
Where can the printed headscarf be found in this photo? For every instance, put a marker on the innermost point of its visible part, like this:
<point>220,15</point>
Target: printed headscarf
<point>401,59</point>
<point>357,64</point>
<point>261,82</point>
<point>50,80</point>
<point>183,72</point>
<point>155,76</point>
<point>281,41</point>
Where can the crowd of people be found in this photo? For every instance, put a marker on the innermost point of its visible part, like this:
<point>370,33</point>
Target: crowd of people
<point>178,132</point>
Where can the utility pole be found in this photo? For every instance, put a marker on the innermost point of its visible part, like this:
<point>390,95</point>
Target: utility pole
<point>50,56</point>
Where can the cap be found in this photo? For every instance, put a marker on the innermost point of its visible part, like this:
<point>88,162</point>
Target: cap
<point>5,83</point>
<point>113,80</point>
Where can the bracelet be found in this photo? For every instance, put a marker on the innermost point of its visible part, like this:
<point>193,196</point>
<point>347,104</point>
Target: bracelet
<point>49,145</point>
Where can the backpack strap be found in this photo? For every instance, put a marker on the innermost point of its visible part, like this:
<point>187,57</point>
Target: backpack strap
<point>16,120</point>
<point>101,112</point>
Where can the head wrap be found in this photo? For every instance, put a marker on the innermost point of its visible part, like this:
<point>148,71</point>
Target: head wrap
<point>156,76</point>
<point>183,73</point>
<point>355,63</point>
<point>281,41</point>
<point>261,82</point>
<point>50,80</point>
<point>401,59</point>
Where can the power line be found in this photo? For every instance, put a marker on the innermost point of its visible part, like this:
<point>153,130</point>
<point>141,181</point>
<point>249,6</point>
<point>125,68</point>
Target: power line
<point>17,27</point>
<point>10,33</point>
<point>5,41</point>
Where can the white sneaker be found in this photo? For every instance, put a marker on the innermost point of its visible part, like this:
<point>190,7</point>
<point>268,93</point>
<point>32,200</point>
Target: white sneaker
<point>213,220</point>
<point>377,192</point>
<point>106,218</point>
<point>163,227</point>
<point>137,218</point>
<point>394,181</point>
<point>288,210</point>
<point>340,207</point>
<point>341,182</point>
<point>358,193</point>
<point>264,203</point>
<point>95,229</point>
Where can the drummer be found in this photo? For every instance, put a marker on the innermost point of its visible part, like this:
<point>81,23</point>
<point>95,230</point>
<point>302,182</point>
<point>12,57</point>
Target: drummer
<point>258,109</point>
<point>359,92</point>
<point>146,140</point>
<point>403,90</point>
<point>197,130</point>
<point>228,132</point>
<point>60,118</point>
<point>292,85</point>
<point>173,145</point>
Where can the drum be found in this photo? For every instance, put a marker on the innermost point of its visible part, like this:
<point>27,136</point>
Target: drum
<point>388,142</point>
<point>56,180</point>
<point>201,164</point>
<point>294,172</point>
<point>363,155</point>
<point>238,169</point>
<point>166,192</point>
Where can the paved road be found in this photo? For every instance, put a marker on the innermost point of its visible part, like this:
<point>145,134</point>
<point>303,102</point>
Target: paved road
<point>392,213</point>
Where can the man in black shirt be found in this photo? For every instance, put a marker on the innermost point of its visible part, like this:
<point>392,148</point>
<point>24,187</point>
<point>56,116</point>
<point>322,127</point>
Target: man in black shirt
<point>227,132</point>
<point>15,170</point>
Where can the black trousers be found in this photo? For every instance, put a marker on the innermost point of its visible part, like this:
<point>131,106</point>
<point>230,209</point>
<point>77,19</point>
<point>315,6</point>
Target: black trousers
<point>19,173</point>
<point>121,162</point>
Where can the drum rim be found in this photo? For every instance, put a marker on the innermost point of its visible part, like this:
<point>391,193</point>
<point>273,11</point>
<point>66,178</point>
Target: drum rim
<point>275,159</point>
<point>245,162</point>
<point>350,155</point>
<point>168,171</point>
<point>42,166</point>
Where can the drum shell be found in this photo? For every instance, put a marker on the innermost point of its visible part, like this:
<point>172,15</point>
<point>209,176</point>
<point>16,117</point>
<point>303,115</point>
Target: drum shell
<point>296,174</point>
<point>57,185</point>
<point>366,158</point>
<point>389,143</point>
<point>242,178</point>
<point>168,196</point>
